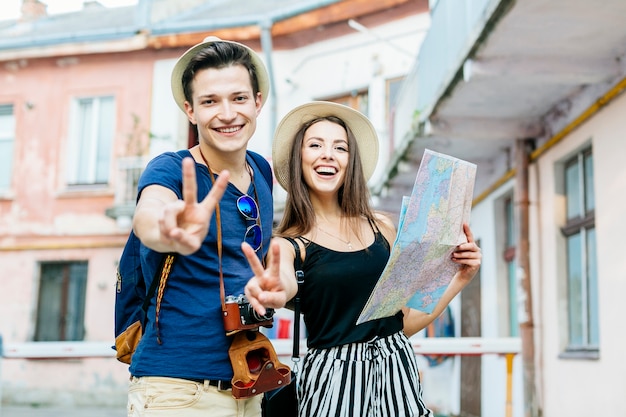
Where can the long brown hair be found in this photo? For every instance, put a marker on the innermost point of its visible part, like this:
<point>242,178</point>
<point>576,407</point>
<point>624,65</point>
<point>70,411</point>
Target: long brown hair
<point>353,196</point>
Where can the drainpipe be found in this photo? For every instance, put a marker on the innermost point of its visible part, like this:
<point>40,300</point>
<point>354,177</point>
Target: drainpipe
<point>266,45</point>
<point>525,305</point>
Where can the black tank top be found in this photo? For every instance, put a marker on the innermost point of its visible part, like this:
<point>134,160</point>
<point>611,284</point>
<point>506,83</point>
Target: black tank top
<point>337,286</point>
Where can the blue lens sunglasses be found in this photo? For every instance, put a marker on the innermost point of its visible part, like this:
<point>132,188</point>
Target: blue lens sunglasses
<point>250,211</point>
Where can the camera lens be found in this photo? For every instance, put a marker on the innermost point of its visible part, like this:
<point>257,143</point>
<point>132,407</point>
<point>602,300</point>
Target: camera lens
<point>269,313</point>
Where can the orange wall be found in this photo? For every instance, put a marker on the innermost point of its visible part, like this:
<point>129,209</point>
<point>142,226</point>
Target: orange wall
<point>41,91</point>
<point>41,220</point>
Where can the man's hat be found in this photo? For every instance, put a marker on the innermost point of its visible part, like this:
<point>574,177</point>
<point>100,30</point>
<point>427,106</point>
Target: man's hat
<point>183,61</point>
<point>361,127</point>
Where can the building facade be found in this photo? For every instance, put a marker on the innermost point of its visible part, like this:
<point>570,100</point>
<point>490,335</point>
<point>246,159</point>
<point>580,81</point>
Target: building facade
<point>535,98</point>
<point>85,102</point>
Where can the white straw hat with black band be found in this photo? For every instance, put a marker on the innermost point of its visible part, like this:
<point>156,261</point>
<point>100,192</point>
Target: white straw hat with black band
<point>361,127</point>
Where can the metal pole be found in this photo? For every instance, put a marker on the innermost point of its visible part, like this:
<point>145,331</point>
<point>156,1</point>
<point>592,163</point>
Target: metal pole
<point>266,45</point>
<point>526,322</point>
<point>508,411</point>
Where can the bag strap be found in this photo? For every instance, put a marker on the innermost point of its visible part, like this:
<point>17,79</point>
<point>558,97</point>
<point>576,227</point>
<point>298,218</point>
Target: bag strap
<point>153,285</point>
<point>165,273</point>
<point>297,263</point>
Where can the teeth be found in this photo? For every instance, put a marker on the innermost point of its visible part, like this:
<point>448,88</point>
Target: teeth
<point>228,129</point>
<point>326,170</point>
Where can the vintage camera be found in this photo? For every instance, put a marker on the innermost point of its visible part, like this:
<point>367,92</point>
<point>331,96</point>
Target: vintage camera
<point>239,315</point>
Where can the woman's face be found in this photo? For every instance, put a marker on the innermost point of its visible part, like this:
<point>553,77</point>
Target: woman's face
<point>325,156</point>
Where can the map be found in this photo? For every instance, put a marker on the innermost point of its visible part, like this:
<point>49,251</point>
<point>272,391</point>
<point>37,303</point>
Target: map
<point>419,268</point>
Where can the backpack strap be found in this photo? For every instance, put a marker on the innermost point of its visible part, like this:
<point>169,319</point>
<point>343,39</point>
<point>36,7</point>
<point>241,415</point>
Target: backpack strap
<point>297,263</point>
<point>153,286</point>
<point>162,274</point>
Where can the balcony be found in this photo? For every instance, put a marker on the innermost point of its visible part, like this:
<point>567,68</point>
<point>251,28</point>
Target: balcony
<point>129,170</point>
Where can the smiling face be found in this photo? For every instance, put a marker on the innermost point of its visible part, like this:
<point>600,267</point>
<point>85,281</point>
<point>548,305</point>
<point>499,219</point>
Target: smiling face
<point>325,157</point>
<point>224,108</point>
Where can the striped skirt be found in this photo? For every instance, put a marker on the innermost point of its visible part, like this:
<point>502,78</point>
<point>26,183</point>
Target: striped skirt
<point>374,379</point>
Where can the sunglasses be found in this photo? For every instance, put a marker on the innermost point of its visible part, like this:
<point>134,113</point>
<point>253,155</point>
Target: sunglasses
<point>250,211</point>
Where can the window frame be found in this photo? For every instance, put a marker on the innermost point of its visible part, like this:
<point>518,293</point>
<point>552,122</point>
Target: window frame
<point>510,239</point>
<point>357,99</point>
<point>96,139</point>
<point>581,225</point>
<point>71,279</point>
<point>7,137</point>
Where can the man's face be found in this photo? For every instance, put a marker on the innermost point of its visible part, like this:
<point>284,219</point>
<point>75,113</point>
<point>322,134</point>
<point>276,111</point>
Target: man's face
<point>224,107</point>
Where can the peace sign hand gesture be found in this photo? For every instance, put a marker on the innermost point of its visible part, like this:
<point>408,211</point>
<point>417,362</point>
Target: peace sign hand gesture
<point>183,224</point>
<point>268,288</point>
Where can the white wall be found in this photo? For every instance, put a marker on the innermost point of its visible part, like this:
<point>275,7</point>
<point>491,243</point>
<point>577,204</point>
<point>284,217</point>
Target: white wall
<point>578,387</point>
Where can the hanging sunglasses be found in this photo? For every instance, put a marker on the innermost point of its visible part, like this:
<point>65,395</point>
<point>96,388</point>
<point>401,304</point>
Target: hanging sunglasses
<point>250,211</point>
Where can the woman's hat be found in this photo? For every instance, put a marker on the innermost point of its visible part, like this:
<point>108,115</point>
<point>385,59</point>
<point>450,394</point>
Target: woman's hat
<point>361,127</point>
<point>183,61</point>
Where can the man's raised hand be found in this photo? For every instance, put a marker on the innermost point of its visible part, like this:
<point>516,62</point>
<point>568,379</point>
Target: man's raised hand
<point>185,223</point>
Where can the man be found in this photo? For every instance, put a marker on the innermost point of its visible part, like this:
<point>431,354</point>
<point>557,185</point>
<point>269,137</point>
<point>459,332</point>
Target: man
<point>201,204</point>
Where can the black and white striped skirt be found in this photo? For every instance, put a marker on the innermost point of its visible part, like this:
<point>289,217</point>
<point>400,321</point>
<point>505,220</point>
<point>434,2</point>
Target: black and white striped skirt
<point>374,379</point>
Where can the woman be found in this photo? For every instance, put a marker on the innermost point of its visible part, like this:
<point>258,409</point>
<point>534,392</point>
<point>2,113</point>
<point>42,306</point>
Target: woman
<point>323,155</point>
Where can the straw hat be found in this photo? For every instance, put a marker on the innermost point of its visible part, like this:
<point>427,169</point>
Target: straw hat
<point>361,127</point>
<point>183,61</point>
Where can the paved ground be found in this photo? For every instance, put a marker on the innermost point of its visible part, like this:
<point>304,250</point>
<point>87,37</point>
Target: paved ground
<point>25,411</point>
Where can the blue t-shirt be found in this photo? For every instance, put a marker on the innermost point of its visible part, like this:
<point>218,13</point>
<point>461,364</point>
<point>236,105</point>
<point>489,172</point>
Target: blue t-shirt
<point>191,329</point>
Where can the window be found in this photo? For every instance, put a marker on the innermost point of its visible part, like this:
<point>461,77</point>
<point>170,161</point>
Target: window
<point>580,235</point>
<point>93,124</point>
<point>358,100</point>
<point>7,141</point>
<point>61,308</point>
<point>511,265</point>
<point>393,89</point>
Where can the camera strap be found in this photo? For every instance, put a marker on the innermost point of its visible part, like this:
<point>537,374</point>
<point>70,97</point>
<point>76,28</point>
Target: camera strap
<point>218,222</point>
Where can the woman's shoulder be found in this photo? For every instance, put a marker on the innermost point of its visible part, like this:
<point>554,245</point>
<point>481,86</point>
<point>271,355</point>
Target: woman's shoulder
<point>290,239</point>
<point>385,224</point>
<point>384,219</point>
<point>290,243</point>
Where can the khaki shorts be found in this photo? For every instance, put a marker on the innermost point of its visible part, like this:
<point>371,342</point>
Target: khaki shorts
<point>161,397</point>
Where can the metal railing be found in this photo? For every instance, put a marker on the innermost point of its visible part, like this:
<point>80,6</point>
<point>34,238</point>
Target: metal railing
<point>451,346</point>
<point>128,173</point>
